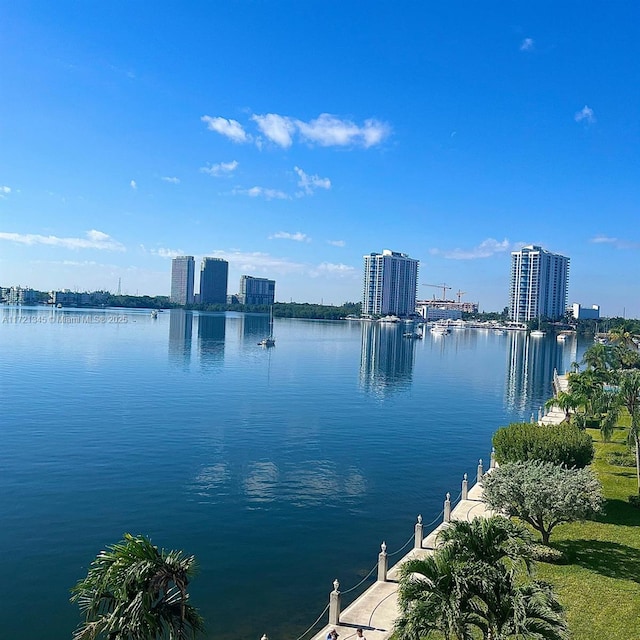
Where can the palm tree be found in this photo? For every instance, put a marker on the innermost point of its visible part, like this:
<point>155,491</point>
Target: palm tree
<point>565,401</point>
<point>434,596</point>
<point>134,591</point>
<point>629,393</point>
<point>476,582</point>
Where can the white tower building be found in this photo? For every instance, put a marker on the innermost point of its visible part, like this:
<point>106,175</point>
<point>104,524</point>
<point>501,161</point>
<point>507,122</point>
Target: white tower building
<point>539,284</point>
<point>390,284</point>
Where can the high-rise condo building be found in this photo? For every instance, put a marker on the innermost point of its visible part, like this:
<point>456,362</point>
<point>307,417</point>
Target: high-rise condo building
<point>539,283</point>
<point>182,274</point>
<point>214,274</point>
<point>390,284</point>
<point>256,290</point>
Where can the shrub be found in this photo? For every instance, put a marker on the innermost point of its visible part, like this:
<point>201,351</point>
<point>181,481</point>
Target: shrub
<point>634,501</point>
<point>621,459</point>
<point>542,553</point>
<point>563,444</point>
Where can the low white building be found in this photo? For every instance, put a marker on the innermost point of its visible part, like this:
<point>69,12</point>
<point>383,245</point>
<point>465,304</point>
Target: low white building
<point>585,313</point>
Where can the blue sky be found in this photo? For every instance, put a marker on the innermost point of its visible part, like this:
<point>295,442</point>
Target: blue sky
<point>291,138</point>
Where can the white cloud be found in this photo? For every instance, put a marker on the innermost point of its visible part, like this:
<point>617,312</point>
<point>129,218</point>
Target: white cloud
<point>284,235</point>
<point>258,262</point>
<point>337,243</point>
<point>262,192</point>
<point>527,44</point>
<point>166,253</point>
<point>328,131</point>
<point>171,180</point>
<point>278,129</point>
<point>133,185</point>
<point>309,184</point>
<point>585,114</point>
<point>485,249</point>
<point>615,242</point>
<point>330,268</point>
<point>221,169</point>
<point>94,240</point>
<point>4,190</point>
<point>231,129</point>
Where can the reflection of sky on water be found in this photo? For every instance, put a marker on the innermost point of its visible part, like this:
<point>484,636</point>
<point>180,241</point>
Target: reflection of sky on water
<point>308,484</point>
<point>387,358</point>
<point>211,480</point>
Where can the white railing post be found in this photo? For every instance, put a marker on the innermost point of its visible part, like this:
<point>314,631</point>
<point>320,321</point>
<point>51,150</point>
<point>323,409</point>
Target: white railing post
<point>447,509</point>
<point>334,604</point>
<point>418,535</point>
<point>492,464</point>
<point>465,487</point>
<point>382,563</point>
<point>480,471</point>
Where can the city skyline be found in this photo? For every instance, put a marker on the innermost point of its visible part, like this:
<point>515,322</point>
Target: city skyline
<point>454,136</point>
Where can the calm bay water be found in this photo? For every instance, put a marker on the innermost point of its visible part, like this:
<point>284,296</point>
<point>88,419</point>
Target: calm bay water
<point>280,469</point>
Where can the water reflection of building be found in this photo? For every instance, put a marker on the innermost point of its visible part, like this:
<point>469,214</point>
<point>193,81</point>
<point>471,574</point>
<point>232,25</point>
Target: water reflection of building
<point>530,366</point>
<point>211,335</point>
<point>253,327</point>
<point>180,333</point>
<point>386,358</point>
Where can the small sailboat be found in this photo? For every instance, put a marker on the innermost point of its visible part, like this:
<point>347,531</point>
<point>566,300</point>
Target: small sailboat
<point>269,341</point>
<point>537,333</point>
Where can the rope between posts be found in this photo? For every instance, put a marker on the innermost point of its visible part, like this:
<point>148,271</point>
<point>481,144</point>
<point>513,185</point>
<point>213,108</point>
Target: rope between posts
<point>363,579</point>
<point>401,548</point>
<point>314,624</point>
<point>458,498</point>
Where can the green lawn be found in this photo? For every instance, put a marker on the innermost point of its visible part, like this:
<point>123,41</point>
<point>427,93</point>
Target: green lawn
<point>600,585</point>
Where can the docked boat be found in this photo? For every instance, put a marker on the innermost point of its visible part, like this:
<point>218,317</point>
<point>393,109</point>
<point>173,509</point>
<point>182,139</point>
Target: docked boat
<point>154,314</point>
<point>413,335</point>
<point>536,333</point>
<point>499,332</point>
<point>561,337</point>
<point>390,319</point>
<point>440,329</point>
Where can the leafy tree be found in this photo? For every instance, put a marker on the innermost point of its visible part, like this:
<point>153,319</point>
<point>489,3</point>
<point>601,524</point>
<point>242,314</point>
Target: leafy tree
<point>543,494</point>
<point>560,444</point>
<point>134,591</point>
<point>477,582</point>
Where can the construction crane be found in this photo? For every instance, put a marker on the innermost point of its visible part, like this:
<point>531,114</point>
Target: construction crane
<point>442,286</point>
<point>460,294</point>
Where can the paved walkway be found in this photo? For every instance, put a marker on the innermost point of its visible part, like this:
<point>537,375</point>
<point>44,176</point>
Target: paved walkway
<point>556,415</point>
<point>376,610</point>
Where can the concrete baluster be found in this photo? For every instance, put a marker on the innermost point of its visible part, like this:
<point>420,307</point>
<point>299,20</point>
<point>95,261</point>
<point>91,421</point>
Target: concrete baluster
<point>418,539</point>
<point>264,637</point>
<point>465,487</point>
<point>492,464</point>
<point>480,471</point>
<point>540,414</point>
<point>382,563</point>
<point>334,604</point>
<point>447,509</point>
